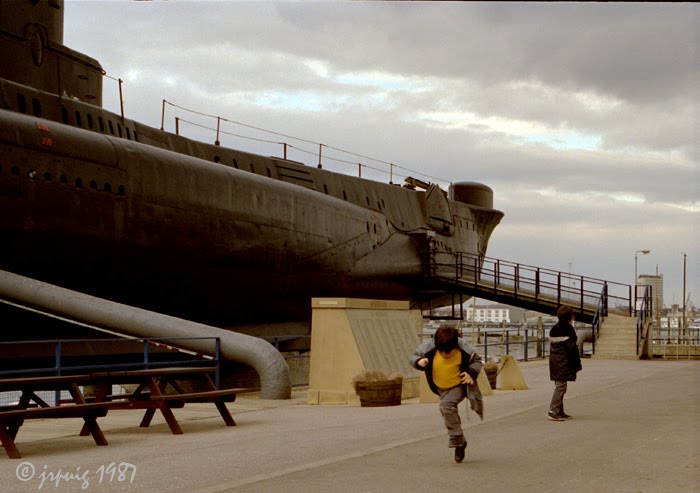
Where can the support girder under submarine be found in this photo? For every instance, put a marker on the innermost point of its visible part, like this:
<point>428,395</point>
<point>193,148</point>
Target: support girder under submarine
<point>195,239</point>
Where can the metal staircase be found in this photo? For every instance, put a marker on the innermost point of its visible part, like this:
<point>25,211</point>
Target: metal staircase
<point>525,286</point>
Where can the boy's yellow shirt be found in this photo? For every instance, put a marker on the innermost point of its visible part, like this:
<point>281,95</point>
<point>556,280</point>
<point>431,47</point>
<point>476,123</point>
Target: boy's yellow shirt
<point>446,369</point>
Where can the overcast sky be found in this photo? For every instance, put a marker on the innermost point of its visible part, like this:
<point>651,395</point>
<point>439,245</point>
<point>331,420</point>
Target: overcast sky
<point>583,117</point>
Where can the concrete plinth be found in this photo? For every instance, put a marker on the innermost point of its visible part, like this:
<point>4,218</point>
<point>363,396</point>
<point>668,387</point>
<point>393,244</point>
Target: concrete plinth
<point>351,335</point>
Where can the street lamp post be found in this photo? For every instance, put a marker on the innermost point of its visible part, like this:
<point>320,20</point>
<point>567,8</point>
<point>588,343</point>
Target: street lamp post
<point>643,252</point>
<point>684,321</point>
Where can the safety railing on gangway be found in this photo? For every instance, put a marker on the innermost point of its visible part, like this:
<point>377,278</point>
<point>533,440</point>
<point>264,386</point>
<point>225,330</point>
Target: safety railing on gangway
<point>536,284</point>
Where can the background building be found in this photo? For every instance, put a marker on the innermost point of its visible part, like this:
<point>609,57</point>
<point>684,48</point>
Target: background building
<point>657,286</point>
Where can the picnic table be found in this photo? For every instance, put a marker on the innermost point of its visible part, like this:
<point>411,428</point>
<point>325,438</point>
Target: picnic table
<point>31,406</point>
<point>162,389</point>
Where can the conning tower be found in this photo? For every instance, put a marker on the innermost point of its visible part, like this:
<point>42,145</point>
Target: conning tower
<point>31,43</point>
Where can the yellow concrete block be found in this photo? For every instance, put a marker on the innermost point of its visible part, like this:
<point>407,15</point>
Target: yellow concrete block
<point>411,388</point>
<point>426,395</point>
<point>482,381</point>
<point>313,397</point>
<point>359,303</point>
<point>332,397</point>
<point>511,377</point>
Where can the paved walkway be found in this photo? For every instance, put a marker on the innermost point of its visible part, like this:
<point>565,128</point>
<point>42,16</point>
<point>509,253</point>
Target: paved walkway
<point>635,428</point>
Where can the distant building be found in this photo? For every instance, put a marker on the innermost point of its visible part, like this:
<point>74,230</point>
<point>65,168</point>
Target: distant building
<point>657,289</point>
<point>488,313</point>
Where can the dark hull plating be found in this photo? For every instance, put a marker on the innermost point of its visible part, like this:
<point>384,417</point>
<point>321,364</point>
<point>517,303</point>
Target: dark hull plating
<point>110,207</point>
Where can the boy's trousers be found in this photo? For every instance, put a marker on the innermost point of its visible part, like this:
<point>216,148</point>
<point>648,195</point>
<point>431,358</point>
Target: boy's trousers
<point>449,402</point>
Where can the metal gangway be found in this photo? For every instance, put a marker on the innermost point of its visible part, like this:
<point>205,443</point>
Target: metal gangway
<point>525,286</point>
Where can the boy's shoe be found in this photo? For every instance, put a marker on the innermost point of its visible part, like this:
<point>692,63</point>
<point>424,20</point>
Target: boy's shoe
<point>554,416</point>
<point>459,452</point>
<point>564,415</point>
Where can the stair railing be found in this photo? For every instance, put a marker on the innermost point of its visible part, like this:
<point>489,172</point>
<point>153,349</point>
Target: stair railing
<point>601,311</point>
<point>643,313</point>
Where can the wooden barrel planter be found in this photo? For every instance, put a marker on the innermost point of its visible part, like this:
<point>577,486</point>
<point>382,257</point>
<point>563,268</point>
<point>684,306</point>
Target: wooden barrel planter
<point>379,393</point>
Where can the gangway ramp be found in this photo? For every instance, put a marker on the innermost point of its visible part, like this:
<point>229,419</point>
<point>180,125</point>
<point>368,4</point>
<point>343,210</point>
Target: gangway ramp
<point>533,288</point>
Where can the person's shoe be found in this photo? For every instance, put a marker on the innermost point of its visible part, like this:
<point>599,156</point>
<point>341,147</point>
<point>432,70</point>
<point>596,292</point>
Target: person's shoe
<point>554,416</point>
<point>564,415</point>
<point>459,452</point>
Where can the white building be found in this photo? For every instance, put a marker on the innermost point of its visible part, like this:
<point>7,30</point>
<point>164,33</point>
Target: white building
<point>488,313</point>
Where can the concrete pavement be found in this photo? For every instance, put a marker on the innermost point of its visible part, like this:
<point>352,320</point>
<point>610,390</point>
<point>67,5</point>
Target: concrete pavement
<point>635,428</point>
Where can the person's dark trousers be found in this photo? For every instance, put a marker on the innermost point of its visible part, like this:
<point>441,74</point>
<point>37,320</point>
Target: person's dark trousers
<point>557,404</point>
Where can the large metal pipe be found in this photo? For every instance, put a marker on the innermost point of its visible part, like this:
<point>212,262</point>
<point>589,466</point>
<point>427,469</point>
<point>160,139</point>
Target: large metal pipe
<point>261,355</point>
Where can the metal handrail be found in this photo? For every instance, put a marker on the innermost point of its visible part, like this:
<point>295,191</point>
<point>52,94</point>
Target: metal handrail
<point>643,313</point>
<point>527,281</point>
<point>601,311</point>
<point>59,347</point>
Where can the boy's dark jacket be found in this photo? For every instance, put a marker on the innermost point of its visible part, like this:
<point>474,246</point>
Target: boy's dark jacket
<point>564,358</point>
<point>471,363</point>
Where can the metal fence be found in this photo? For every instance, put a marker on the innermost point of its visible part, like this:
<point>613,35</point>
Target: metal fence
<point>154,353</point>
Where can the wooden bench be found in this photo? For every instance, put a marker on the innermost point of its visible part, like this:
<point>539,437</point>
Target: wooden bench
<point>150,394</point>
<point>12,417</point>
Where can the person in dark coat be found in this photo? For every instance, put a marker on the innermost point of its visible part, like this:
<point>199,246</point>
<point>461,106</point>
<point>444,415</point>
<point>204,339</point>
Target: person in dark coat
<point>564,360</point>
<point>451,368</point>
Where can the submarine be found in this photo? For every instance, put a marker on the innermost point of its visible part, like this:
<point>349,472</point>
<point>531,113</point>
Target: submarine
<point>104,205</point>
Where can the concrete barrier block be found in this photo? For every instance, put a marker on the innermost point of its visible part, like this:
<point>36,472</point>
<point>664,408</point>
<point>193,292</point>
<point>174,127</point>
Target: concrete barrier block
<point>482,381</point>
<point>511,376</point>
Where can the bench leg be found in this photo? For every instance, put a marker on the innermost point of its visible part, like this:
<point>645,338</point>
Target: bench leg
<point>170,419</point>
<point>147,417</point>
<point>8,443</point>
<point>94,430</point>
<point>223,410</point>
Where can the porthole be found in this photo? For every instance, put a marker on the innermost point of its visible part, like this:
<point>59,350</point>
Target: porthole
<point>101,124</point>
<point>217,159</point>
<point>36,107</point>
<point>21,103</point>
<point>107,187</point>
<point>136,136</point>
<point>269,173</point>
<point>122,190</point>
<point>78,119</point>
<point>47,176</point>
<point>89,120</point>
<point>64,115</point>
<point>252,168</point>
<point>14,171</point>
<point>367,199</point>
<point>119,129</point>
<point>111,127</point>
<point>63,179</point>
<point>345,196</point>
<point>78,183</point>
<point>128,133</point>
<point>325,189</point>
<point>235,164</point>
<point>93,184</point>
